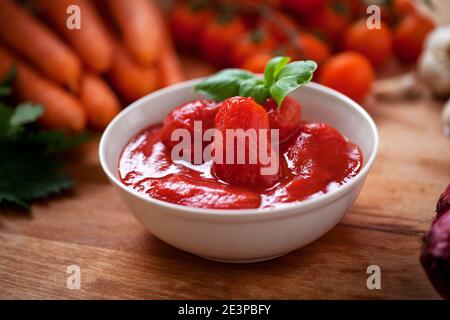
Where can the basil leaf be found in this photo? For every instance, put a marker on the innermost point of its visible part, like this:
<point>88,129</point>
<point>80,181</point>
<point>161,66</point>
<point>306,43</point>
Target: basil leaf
<point>290,77</point>
<point>273,67</point>
<point>254,88</point>
<point>224,84</point>
<point>280,79</point>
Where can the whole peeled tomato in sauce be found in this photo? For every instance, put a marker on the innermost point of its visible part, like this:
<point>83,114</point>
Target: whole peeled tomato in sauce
<point>250,166</point>
<point>286,118</point>
<point>184,117</point>
<point>318,158</point>
<point>334,157</point>
<point>243,113</point>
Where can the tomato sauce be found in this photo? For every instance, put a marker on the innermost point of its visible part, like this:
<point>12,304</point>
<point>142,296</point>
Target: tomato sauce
<point>314,160</point>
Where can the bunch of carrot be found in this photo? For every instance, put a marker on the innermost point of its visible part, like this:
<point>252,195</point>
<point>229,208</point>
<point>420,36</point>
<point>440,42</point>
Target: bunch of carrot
<point>81,76</point>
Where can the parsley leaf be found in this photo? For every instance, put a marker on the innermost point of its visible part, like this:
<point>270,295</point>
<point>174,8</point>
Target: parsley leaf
<point>29,168</point>
<point>28,173</point>
<point>5,84</point>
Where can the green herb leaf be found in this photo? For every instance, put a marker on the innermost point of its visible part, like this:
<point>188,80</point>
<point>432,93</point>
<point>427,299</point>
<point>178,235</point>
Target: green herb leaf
<point>254,88</point>
<point>57,141</point>
<point>29,169</point>
<point>13,120</point>
<point>273,67</point>
<point>26,113</point>
<point>280,79</point>
<point>290,77</point>
<point>5,91</point>
<point>27,173</point>
<point>6,82</point>
<point>224,84</point>
<point>5,117</point>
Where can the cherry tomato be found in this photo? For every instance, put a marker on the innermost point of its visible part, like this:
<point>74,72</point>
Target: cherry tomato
<point>403,7</point>
<point>322,143</point>
<point>256,62</point>
<point>243,113</point>
<point>312,48</point>
<point>353,9</point>
<point>217,39</point>
<point>185,24</point>
<point>329,22</point>
<point>286,119</point>
<point>349,73</point>
<point>184,116</point>
<point>279,25</point>
<point>256,41</point>
<point>393,11</point>
<point>303,7</point>
<point>409,36</point>
<point>375,44</point>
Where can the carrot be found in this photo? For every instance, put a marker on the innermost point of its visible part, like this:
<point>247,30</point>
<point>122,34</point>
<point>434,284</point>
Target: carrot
<point>100,103</point>
<point>91,41</point>
<point>130,79</point>
<point>61,109</point>
<point>169,62</point>
<point>170,66</point>
<point>137,21</point>
<point>38,44</point>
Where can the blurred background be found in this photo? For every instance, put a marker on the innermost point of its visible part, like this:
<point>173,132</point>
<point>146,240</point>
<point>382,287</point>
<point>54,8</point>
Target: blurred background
<point>127,49</point>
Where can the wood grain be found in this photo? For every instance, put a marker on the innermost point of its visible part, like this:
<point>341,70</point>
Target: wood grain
<point>333,267</point>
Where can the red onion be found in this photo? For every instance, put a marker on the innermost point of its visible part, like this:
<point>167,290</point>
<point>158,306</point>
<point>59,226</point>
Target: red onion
<point>435,256</point>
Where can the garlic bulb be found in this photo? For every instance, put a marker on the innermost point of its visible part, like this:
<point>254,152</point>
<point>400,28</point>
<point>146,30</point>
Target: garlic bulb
<point>404,86</point>
<point>434,63</point>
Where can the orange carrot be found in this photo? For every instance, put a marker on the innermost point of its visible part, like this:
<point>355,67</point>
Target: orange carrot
<point>100,103</point>
<point>61,109</point>
<point>137,21</point>
<point>38,44</point>
<point>169,62</point>
<point>170,66</point>
<point>130,79</point>
<point>91,41</point>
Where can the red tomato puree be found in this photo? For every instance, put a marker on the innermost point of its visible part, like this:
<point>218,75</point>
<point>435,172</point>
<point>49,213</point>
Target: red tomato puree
<point>314,160</point>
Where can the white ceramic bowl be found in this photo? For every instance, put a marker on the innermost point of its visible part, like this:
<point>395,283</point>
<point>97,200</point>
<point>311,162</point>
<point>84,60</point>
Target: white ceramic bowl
<point>247,235</point>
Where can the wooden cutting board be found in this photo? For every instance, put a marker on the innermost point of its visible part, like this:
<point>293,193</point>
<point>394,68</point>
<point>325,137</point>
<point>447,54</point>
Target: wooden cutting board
<point>91,227</point>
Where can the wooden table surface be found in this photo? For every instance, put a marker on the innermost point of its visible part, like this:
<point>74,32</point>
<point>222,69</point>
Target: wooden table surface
<point>92,228</point>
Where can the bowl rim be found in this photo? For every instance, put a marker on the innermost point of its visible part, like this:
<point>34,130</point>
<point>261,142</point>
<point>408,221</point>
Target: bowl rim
<point>256,213</point>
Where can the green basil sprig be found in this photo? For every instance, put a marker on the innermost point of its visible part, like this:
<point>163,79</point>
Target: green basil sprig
<point>281,77</point>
